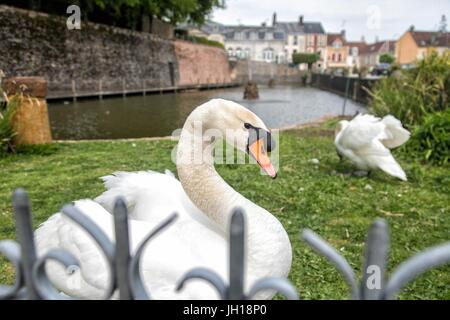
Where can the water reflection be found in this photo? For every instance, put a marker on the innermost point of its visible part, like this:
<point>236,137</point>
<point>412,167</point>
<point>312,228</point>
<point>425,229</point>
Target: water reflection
<point>160,115</point>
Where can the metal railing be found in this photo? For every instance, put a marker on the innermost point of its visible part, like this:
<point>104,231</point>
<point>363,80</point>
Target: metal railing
<point>350,87</point>
<point>32,281</point>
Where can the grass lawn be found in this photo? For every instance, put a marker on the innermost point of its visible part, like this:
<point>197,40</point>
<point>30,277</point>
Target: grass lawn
<point>320,197</point>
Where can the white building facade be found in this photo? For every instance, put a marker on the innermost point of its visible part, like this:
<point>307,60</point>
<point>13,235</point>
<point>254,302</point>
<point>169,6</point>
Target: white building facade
<point>255,43</point>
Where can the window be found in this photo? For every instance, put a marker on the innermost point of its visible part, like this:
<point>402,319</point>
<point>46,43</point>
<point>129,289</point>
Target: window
<point>295,40</point>
<point>339,57</point>
<point>278,35</point>
<point>239,53</point>
<point>337,44</point>
<point>322,41</point>
<point>230,52</point>
<point>354,51</point>
<point>247,52</point>
<point>268,54</point>
<point>261,35</point>
<point>247,35</point>
<point>333,57</point>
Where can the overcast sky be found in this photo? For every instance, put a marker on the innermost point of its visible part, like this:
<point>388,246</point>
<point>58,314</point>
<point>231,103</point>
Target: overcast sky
<point>387,19</point>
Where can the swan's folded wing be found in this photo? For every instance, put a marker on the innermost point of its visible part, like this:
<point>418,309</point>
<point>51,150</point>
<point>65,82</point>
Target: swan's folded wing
<point>395,134</point>
<point>91,279</point>
<point>378,156</point>
<point>126,185</point>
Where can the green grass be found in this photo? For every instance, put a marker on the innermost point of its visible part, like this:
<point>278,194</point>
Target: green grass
<point>321,197</point>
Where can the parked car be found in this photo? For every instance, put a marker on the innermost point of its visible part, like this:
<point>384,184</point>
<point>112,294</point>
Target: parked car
<point>381,69</point>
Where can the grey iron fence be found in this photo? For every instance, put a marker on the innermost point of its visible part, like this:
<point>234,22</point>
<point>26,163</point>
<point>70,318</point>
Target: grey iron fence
<point>352,88</point>
<point>32,282</point>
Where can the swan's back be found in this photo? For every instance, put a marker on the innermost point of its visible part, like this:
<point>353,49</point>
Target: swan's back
<point>165,260</point>
<point>151,196</point>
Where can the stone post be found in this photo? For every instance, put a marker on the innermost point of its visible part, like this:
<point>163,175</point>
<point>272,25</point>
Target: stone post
<point>251,91</point>
<point>30,120</point>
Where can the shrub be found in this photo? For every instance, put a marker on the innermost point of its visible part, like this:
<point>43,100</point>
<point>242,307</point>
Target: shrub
<point>413,94</point>
<point>430,142</point>
<point>7,133</point>
<point>203,40</point>
<point>387,58</point>
<point>308,58</point>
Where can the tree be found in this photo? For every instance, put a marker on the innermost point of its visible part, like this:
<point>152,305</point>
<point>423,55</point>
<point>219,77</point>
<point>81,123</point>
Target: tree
<point>309,58</point>
<point>128,13</point>
<point>387,58</point>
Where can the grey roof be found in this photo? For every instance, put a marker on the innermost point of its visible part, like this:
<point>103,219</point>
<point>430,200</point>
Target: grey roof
<point>213,27</point>
<point>297,28</point>
<point>208,27</point>
<point>279,30</point>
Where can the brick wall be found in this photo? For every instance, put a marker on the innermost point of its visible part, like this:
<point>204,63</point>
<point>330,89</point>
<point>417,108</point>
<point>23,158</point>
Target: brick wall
<point>37,44</point>
<point>201,64</point>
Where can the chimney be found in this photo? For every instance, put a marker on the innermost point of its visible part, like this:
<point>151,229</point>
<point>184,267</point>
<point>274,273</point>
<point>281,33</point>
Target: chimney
<point>377,39</point>
<point>300,20</point>
<point>411,28</point>
<point>274,19</point>
<point>263,24</point>
<point>363,39</point>
<point>343,33</point>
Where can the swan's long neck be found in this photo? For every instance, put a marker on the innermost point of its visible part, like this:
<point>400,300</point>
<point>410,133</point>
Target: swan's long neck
<point>268,246</point>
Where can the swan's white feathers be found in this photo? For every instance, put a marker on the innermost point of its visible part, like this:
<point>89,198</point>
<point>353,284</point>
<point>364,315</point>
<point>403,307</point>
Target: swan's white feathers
<point>159,266</point>
<point>195,239</point>
<point>361,129</point>
<point>396,135</point>
<point>366,141</point>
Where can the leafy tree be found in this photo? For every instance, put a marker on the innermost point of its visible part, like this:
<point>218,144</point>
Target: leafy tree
<point>128,13</point>
<point>309,58</point>
<point>387,58</point>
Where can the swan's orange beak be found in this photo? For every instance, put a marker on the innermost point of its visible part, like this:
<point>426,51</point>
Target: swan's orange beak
<point>258,151</point>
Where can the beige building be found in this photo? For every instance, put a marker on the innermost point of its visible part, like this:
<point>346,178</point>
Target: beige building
<point>415,45</point>
<point>336,51</point>
<point>355,48</point>
<point>370,55</point>
<point>303,37</point>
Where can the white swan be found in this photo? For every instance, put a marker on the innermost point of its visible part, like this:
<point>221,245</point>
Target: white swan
<point>198,238</point>
<point>366,141</point>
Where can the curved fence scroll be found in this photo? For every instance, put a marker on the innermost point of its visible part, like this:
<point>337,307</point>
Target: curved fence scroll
<point>32,281</point>
<point>375,285</point>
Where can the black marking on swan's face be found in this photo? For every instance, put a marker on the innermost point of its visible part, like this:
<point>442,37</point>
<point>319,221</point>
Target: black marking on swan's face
<point>255,133</point>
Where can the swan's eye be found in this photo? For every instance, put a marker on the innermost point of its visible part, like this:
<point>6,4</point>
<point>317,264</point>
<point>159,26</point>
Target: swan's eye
<point>247,125</point>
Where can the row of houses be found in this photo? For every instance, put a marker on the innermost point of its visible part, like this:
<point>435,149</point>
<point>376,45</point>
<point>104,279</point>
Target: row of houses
<point>280,40</point>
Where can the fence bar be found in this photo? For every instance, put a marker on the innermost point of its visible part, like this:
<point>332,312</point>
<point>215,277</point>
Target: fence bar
<point>237,256</point>
<point>123,257</point>
<point>24,227</point>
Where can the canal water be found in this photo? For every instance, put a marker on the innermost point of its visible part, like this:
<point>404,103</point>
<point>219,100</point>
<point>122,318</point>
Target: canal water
<point>159,115</point>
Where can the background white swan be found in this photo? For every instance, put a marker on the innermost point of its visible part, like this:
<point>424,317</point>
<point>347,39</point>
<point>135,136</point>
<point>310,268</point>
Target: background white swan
<point>366,140</point>
<point>199,237</point>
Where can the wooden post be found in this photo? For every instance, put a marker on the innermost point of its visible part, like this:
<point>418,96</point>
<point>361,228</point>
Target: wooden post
<point>100,89</point>
<point>30,120</point>
<point>74,91</point>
